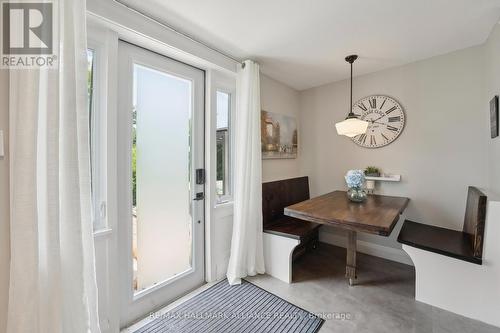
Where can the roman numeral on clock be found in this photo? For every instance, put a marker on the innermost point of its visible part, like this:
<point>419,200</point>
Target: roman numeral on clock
<point>373,103</point>
<point>362,138</point>
<point>386,120</point>
<point>391,109</point>
<point>383,103</point>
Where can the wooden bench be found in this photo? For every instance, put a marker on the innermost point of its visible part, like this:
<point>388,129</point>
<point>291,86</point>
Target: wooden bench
<point>465,245</point>
<point>285,238</point>
<point>458,271</point>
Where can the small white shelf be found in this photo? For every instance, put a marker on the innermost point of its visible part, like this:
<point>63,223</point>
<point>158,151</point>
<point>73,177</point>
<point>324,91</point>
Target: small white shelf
<point>386,178</point>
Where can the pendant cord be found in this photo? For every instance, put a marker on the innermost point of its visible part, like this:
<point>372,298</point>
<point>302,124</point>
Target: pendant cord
<point>350,110</point>
<point>350,59</point>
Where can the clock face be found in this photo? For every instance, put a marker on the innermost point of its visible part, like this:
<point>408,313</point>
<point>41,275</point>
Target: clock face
<point>386,120</point>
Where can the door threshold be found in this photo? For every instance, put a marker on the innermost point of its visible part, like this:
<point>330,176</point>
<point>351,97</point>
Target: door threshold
<point>143,322</point>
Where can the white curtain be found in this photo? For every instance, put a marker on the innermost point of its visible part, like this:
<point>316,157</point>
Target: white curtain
<point>247,255</point>
<point>52,273</point>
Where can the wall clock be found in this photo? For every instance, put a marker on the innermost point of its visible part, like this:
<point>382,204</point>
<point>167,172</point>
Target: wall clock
<point>386,117</point>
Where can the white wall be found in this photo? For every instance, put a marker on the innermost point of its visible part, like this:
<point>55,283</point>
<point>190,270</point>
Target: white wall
<point>4,200</point>
<point>279,98</point>
<point>492,51</point>
<point>442,149</point>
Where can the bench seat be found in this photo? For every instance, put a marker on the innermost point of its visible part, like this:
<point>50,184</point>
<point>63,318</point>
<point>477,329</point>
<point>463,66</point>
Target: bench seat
<point>285,238</point>
<point>466,245</point>
<point>451,272</point>
<point>292,228</point>
<point>451,243</point>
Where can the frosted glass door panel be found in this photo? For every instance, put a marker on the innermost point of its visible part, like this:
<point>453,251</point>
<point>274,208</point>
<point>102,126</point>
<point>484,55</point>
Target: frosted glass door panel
<point>160,207</point>
<point>161,202</point>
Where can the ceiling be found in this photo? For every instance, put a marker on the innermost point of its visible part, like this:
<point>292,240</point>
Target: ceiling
<point>302,43</point>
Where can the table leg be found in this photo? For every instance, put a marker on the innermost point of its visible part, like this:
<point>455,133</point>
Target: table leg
<point>350,270</point>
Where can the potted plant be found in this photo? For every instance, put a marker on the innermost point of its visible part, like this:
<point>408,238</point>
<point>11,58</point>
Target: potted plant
<point>372,171</point>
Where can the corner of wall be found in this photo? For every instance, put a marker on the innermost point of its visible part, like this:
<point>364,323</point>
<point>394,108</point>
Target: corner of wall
<point>492,88</point>
<point>4,201</point>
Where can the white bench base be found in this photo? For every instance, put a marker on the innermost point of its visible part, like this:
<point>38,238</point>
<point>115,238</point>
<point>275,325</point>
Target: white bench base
<point>278,251</point>
<point>458,286</point>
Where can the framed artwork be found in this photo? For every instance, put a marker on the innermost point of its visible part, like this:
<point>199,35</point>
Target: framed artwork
<point>278,135</point>
<point>494,117</point>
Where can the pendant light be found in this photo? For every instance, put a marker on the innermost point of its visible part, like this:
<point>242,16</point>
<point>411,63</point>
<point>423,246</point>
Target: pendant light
<point>351,126</point>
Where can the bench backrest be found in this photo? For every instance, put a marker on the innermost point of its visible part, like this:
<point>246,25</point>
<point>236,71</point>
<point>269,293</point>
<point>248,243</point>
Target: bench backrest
<point>475,217</point>
<point>282,193</point>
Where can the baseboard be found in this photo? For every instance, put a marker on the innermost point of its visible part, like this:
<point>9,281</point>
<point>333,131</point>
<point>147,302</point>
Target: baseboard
<point>373,249</point>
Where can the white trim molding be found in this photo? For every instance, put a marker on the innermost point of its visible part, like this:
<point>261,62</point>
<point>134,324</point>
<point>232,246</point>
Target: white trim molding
<point>143,31</point>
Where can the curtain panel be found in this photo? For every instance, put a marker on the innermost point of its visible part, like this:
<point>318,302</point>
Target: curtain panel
<point>52,273</point>
<point>247,255</point>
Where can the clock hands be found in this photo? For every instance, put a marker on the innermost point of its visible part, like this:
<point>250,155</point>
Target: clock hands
<point>382,116</point>
<point>375,121</point>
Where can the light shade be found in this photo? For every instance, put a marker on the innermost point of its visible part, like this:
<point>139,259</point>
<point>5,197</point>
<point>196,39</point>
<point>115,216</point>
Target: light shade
<point>351,127</point>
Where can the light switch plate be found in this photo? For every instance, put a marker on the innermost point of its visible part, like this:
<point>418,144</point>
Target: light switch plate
<point>2,151</point>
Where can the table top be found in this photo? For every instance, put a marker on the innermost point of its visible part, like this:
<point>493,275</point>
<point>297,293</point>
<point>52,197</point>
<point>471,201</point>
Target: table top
<point>377,215</point>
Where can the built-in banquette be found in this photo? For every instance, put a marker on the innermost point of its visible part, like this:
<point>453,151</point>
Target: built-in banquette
<point>465,245</point>
<point>458,270</point>
<point>285,238</point>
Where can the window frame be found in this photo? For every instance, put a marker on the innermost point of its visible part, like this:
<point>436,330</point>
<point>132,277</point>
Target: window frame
<point>97,136</point>
<point>230,91</point>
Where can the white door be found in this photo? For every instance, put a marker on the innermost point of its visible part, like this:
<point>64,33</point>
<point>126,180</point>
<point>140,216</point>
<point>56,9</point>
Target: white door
<point>161,206</point>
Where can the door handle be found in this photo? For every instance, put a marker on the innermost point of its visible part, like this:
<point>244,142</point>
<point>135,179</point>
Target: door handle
<point>199,196</point>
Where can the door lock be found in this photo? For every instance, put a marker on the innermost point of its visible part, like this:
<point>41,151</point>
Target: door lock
<point>199,196</point>
<point>200,176</point>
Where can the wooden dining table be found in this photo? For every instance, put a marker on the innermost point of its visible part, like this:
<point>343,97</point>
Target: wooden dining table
<point>378,214</point>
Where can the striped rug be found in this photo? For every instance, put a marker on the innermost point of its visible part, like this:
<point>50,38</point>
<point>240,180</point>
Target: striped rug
<point>244,308</point>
